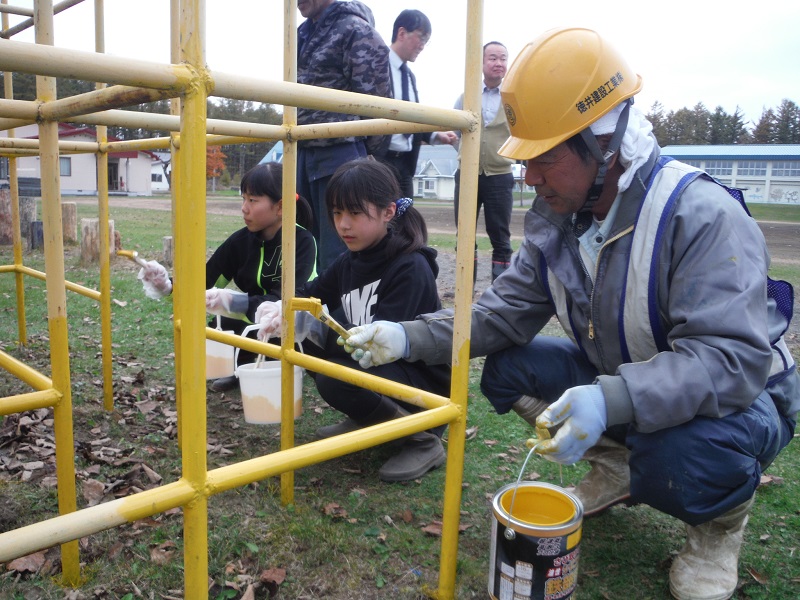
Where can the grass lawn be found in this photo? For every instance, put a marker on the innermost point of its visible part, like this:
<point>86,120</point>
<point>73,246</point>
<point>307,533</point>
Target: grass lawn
<point>348,536</point>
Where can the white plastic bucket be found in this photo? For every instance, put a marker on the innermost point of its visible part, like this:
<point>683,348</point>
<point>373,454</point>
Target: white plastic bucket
<point>260,385</point>
<point>219,358</point>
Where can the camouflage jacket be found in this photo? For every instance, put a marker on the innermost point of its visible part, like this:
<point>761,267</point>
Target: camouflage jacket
<point>341,51</point>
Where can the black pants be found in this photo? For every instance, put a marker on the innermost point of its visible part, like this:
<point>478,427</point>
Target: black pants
<point>404,170</point>
<point>496,195</point>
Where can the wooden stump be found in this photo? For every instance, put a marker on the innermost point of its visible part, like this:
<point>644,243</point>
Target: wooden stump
<point>27,214</point>
<point>69,222</point>
<point>169,250</point>
<point>36,235</point>
<point>6,235</point>
<point>90,240</point>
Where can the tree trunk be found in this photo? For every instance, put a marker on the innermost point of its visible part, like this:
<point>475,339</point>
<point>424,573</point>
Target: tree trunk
<point>69,222</point>
<point>169,250</point>
<point>90,240</point>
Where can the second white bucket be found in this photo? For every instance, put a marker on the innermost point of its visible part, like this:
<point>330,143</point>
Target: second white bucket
<point>260,385</point>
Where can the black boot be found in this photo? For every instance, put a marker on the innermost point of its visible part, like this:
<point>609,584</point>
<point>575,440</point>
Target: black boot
<point>386,410</point>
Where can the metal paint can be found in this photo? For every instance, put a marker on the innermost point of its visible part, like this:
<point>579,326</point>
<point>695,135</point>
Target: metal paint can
<point>536,531</point>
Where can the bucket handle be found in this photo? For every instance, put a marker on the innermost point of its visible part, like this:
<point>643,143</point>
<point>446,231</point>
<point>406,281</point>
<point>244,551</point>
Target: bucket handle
<point>260,357</point>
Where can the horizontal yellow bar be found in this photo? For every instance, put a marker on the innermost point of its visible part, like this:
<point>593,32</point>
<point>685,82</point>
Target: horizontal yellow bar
<point>256,469</point>
<point>72,287</point>
<point>41,59</point>
<point>30,401</point>
<point>25,373</point>
<point>75,525</point>
<point>63,146</point>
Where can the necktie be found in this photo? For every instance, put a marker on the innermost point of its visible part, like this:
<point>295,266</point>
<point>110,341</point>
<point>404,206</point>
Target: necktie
<point>404,74</point>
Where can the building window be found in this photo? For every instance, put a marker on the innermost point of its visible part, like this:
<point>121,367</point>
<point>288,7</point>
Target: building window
<point>719,168</point>
<point>155,177</point>
<point>65,166</point>
<point>430,184</point>
<point>786,168</point>
<point>693,163</point>
<point>420,187</point>
<point>3,167</point>
<point>752,168</point>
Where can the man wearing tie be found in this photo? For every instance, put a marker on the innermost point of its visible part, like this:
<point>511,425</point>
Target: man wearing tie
<point>412,30</point>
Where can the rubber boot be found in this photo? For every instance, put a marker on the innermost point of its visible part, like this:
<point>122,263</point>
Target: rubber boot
<point>420,453</point>
<point>529,408</point>
<point>609,480</point>
<point>498,267</point>
<point>707,567</point>
<point>386,410</point>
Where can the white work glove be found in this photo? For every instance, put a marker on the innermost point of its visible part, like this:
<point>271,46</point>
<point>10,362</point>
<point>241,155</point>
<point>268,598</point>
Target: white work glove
<point>582,409</point>
<point>226,303</point>
<point>376,344</point>
<point>155,280</point>
<point>269,318</point>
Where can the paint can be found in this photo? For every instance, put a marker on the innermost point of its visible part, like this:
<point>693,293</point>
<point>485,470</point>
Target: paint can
<point>536,530</point>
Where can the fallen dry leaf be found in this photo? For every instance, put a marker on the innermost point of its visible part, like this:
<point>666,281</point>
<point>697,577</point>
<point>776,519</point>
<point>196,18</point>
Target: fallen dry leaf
<point>759,577</point>
<point>163,553</point>
<point>30,563</point>
<point>93,491</point>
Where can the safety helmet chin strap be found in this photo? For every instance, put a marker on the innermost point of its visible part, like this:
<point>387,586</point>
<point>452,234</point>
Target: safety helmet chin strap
<point>602,158</point>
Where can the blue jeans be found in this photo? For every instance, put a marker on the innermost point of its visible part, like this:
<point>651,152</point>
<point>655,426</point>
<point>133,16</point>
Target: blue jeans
<point>695,472</point>
<point>315,167</point>
<point>496,195</point>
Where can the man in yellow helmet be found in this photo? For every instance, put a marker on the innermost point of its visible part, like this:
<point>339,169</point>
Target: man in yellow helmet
<point>674,381</point>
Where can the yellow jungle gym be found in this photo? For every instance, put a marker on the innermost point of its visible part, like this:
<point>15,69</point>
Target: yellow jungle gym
<point>189,82</point>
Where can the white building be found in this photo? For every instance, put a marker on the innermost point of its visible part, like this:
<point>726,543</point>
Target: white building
<point>129,172</point>
<point>766,172</point>
<point>436,169</point>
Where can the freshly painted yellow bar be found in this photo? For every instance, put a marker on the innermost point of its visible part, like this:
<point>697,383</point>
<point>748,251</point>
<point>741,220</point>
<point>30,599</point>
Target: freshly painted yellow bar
<point>72,287</point>
<point>25,373</point>
<point>30,401</point>
<point>256,469</point>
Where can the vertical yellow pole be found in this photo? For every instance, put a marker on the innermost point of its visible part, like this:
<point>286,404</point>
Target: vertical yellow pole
<point>190,253</point>
<point>470,149</point>
<point>56,296</point>
<point>174,185</point>
<point>103,214</point>
<point>13,180</point>
<point>288,244</point>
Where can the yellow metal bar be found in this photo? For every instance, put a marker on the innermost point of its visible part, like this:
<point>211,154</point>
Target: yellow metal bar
<point>25,373</point>
<point>465,264</point>
<point>108,97</point>
<point>63,146</point>
<point>56,297</point>
<point>30,401</point>
<point>288,244</point>
<point>27,23</point>
<point>72,287</point>
<point>103,217</point>
<point>64,528</point>
<point>90,66</point>
<point>256,469</point>
<point>162,143</point>
<point>190,253</point>
<point>297,94</point>
<point>13,180</point>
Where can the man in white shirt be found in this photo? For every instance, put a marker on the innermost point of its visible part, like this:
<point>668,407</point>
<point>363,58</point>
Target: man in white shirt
<point>495,179</point>
<point>411,31</point>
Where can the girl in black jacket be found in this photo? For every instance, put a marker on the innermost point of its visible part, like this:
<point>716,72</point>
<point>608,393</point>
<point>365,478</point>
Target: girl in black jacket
<point>388,273</point>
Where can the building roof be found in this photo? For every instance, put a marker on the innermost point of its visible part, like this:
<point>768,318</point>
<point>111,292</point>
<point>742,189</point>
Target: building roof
<point>735,152</point>
<point>443,158</point>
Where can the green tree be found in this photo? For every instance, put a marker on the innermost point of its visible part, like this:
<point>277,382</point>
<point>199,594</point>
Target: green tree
<point>787,123</point>
<point>659,121</point>
<point>764,131</point>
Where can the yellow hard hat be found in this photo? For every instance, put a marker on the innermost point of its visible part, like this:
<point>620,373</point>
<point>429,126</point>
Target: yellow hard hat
<point>561,82</point>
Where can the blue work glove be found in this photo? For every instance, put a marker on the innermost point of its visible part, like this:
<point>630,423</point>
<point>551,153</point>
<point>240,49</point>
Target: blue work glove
<point>582,410</point>
<point>376,344</point>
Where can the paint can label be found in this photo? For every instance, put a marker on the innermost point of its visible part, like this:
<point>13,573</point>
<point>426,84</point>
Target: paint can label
<point>540,561</point>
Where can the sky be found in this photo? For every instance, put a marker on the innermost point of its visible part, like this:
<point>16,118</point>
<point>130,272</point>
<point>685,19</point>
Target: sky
<point>743,55</point>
